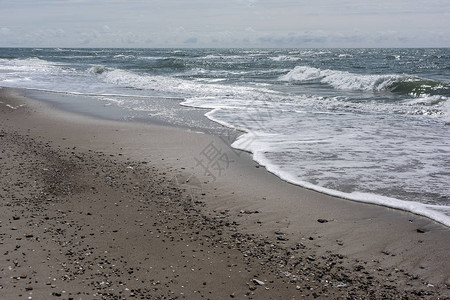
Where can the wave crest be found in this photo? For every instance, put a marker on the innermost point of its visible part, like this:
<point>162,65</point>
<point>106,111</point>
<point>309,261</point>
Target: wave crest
<point>98,70</point>
<point>342,80</point>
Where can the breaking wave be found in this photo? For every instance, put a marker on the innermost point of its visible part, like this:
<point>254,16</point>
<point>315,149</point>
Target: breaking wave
<point>401,84</point>
<point>174,85</point>
<point>98,70</point>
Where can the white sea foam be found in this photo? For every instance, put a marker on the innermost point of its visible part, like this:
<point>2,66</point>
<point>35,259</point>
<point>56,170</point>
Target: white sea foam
<point>285,58</point>
<point>24,65</point>
<point>222,57</point>
<point>264,145</point>
<point>428,100</point>
<point>305,143</point>
<point>342,80</point>
<point>446,111</point>
<point>182,87</point>
<point>123,56</point>
<point>227,74</point>
<point>431,211</point>
<point>153,57</point>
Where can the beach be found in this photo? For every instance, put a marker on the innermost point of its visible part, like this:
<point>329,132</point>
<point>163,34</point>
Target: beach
<point>101,209</point>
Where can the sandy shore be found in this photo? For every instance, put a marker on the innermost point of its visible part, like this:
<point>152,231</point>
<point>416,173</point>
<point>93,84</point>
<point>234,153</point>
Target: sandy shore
<point>96,209</point>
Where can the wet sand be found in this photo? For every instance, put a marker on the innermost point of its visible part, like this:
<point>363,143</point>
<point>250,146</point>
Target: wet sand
<point>97,209</point>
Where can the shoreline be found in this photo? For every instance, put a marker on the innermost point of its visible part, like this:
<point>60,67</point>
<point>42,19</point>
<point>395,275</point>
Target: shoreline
<point>229,135</point>
<point>417,208</point>
<point>76,103</point>
<point>253,217</point>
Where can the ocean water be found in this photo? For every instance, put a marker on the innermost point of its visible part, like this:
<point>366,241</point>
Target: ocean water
<point>370,125</point>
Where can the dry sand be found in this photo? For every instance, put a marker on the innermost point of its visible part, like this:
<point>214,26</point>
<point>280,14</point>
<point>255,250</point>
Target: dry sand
<point>95,209</point>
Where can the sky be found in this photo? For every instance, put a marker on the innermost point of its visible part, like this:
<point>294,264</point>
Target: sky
<point>225,23</point>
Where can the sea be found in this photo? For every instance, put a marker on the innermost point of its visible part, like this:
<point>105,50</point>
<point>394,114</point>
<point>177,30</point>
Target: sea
<point>369,125</point>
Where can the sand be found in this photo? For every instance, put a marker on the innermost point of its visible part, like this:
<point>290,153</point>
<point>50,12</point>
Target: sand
<point>98,209</point>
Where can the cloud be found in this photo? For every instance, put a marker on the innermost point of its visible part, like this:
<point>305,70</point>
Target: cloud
<point>248,3</point>
<point>5,30</point>
<point>191,40</point>
<point>234,23</point>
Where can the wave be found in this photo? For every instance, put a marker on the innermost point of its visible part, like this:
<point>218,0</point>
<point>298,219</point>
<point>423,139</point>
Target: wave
<point>285,58</point>
<point>446,112</point>
<point>97,69</point>
<point>185,88</point>
<point>247,143</point>
<point>266,144</point>
<point>30,62</point>
<point>220,57</point>
<point>32,67</point>
<point>123,56</point>
<point>420,87</point>
<point>395,83</point>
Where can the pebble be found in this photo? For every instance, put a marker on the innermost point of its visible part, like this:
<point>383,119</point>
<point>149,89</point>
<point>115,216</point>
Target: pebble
<point>258,282</point>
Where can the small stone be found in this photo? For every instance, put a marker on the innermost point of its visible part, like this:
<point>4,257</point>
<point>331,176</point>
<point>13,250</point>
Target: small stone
<point>249,212</point>
<point>322,221</point>
<point>420,230</point>
<point>258,282</point>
